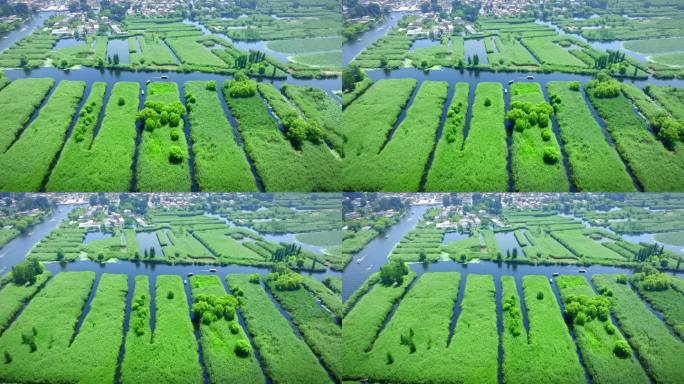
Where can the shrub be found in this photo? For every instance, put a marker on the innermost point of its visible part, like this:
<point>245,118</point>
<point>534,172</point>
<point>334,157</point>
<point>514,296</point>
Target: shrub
<point>170,295</point>
<point>657,282</point>
<point>551,155</point>
<point>610,328</point>
<point>176,154</point>
<point>574,86</point>
<point>211,86</point>
<point>621,349</point>
<point>621,279</point>
<point>540,295</point>
<point>234,328</point>
<point>241,88</point>
<point>254,278</point>
<point>487,102</point>
<point>175,134</point>
<point>209,308</point>
<point>121,102</point>
<point>242,348</point>
<point>546,134</point>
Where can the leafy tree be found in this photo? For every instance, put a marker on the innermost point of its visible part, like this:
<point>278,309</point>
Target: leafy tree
<point>393,272</point>
<point>242,348</point>
<point>176,154</point>
<point>621,349</point>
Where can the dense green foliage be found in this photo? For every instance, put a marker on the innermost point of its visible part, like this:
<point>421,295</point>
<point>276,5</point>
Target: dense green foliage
<point>18,100</point>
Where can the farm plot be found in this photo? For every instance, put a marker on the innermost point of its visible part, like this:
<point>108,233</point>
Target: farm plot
<point>227,248</point>
<point>26,164</point>
<point>545,353</point>
<point>422,243</point>
<point>183,245</point>
<point>75,154</point>
<point>325,292</point>
<point>597,336</point>
<point>669,97</point>
<point>363,323</point>
<point>299,46</point>
<point>481,163</point>
<point>655,45</point>
<point>18,100</point>
<point>547,51</point>
<point>13,296</point>
<point>171,342</point>
<point>537,162</point>
<point>448,53</point>
<point>220,339</point>
<point>286,357</point>
<point>654,166</point>
<point>154,51</point>
<point>399,165</point>
<point>56,350</point>
<point>163,149</point>
<point>105,163</point>
<point>594,163</point>
<point>510,52</point>
<point>66,239</point>
<point>667,301</point>
<point>316,104</point>
<point>220,162</point>
<point>658,349</point>
<point>279,164</point>
<point>319,329</point>
<point>29,52</point>
<point>442,174</point>
<point>369,119</point>
<point>581,243</point>
<point>190,51</point>
<point>544,246</point>
<point>387,52</point>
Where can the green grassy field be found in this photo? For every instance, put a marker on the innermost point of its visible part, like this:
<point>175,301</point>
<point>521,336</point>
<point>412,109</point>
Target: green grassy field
<point>172,342</point>
<point>596,344</point>
<point>594,163</point>
<point>286,357</point>
<point>399,165</point>
<point>156,145</point>
<point>658,349</point>
<point>668,302</point>
<point>26,164</point>
<point>220,162</point>
<point>546,353</point>
<point>13,297</point>
<point>219,339</point>
<point>18,100</point>
<point>442,175</point>
<point>531,173</point>
<point>107,163</point>
<point>656,168</point>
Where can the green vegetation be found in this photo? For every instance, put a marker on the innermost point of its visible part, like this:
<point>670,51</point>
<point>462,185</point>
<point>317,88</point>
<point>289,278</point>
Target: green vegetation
<point>318,327</point>
<point>321,238</point>
<point>442,175</point>
<point>399,164</point>
<point>547,51</point>
<point>220,162</point>
<point>657,290</point>
<point>481,164</point>
<point>163,149</point>
<point>328,292</point>
<point>103,162</point>
<point>280,165</point>
<point>172,342</point>
<point>14,295</point>
<point>546,352</point>
<point>220,339</point>
<point>286,358</point>
<point>594,163</point>
<point>597,337</point>
<point>18,100</point>
<point>654,166</point>
<point>533,141</point>
<point>42,342</point>
<point>658,348</point>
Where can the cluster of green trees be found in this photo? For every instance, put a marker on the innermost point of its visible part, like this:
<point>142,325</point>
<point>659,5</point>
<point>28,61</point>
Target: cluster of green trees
<point>139,313</point>
<point>283,252</point>
<point>299,130</point>
<point>241,86</point>
<point>284,279</point>
<point>393,273</point>
<point>454,114</point>
<point>155,115</point>
<point>351,75</point>
<point>651,279</point>
<point>524,116</point>
<point>580,309</point>
<point>26,272</point>
<point>604,87</point>
<point>209,308</point>
<point>86,121</point>
<point>611,57</point>
<point>510,305</point>
<point>647,252</point>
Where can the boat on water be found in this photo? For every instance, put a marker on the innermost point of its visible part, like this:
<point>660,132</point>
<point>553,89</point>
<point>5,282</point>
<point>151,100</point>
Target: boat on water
<point>185,282</point>
<point>190,274</point>
<point>212,270</point>
<point>582,271</point>
<point>164,77</point>
<point>555,274</point>
<point>148,81</point>
<point>511,82</point>
<point>530,77</point>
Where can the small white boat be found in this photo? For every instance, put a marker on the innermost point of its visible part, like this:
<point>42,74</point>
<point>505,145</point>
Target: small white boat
<point>185,282</point>
<point>506,90</point>
<point>555,273</point>
<point>142,92</point>
<point>190,274</point>
<point>530,77</point>
<point>212,270</point>
<point>550,280</point>
<point>511,82</point>
<point>148,81</point>
<point>164,77</point>
<point>358,261</point>
<point>582,271</point>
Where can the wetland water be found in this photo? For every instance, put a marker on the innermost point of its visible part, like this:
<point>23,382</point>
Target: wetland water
<point>352,49</point>
<point>16,250</point>
<point>376,252</point>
